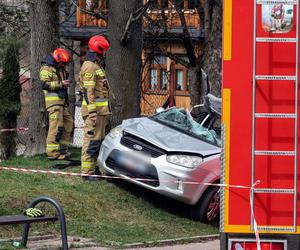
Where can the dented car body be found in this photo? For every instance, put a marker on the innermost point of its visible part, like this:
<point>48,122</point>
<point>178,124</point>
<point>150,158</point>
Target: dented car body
<point>168,153</point>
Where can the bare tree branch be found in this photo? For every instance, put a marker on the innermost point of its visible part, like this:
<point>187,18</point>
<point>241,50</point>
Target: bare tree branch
<point>151,21</point>
<point>134,16</point>
<point>174,57</point>
<point>97,14</point>
<point>200,11</point>
<point>187,40</point>
<point>164,18</point>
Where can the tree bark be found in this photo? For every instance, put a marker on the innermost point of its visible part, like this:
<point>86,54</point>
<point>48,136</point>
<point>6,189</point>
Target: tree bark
<point>43,22</point>
<point>124,61</point>
<point>210,13</point>
<point>195,86</point>
<point>211,60</point>
<point>9,99</point>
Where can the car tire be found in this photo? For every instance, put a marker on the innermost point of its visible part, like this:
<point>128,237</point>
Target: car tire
<point>207,209</point>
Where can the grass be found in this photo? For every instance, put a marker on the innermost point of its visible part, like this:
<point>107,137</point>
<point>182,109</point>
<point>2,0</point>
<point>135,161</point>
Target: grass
<point>107,212</point>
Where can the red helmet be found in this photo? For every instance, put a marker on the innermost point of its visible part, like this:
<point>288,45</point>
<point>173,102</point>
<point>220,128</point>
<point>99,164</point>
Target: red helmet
<point>61,55</point>
<point>98,44</point>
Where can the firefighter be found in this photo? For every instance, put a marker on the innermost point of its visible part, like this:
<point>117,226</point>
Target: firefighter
<point>95,107</point>
<point>55,86</point>
<point>277,15</point>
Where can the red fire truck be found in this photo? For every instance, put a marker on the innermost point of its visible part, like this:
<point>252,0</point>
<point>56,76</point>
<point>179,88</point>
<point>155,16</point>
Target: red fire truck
<point>260,125</point>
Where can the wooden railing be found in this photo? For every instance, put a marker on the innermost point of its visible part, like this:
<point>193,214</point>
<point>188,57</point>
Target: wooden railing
<point>85,19</point>
<point>173,21</point>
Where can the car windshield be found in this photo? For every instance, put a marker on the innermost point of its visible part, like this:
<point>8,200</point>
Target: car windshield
<point>182,120</point>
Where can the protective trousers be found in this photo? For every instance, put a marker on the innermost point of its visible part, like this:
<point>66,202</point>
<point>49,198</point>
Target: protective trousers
<point>60,130</point>
<point>93,137</point>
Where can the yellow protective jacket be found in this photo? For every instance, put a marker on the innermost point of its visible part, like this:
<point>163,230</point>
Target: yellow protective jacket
<point>95,89</point>
<point>54,91</point>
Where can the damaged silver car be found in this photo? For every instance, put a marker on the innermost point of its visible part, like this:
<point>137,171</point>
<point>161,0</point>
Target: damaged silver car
<point>173,153</point>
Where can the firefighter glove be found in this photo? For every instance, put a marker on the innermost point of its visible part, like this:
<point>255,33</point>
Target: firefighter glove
<point>33,212</point>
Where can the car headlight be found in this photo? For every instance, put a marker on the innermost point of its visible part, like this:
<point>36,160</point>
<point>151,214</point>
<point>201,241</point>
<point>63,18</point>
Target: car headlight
<point>116,132</point>
<point>188,161</point>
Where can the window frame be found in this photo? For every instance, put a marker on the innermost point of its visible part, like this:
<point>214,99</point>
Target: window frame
<point>184,91</point>
<point>160,67</point>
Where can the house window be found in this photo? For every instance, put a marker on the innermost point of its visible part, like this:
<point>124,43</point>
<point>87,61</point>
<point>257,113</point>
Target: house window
<point>179,79</point>
<point>188,81</point>
<point>153,83</point>
<point>160,60</point>
<point>158,73</point>
<point>158,76</point>
<point>164,79</point>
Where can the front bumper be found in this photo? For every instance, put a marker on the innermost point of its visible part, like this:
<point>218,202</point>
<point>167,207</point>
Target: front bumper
<point>171,179</point>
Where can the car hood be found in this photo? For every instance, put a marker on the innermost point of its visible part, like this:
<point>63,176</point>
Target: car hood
<point>168,138</point>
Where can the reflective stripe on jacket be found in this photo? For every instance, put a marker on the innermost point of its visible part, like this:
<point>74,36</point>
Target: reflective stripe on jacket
<point>95,89</point>
<point>53,85</point>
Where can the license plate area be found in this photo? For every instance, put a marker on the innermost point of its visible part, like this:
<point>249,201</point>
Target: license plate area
<point>133,161</point>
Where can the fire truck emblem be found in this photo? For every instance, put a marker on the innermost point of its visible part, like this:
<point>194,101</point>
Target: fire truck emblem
<point>277,18</point>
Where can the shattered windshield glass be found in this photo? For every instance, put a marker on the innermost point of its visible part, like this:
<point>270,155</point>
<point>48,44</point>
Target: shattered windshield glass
<point>183,121</point>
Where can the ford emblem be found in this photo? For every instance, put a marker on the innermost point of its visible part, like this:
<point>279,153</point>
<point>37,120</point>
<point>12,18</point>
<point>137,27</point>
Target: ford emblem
<point>137,147</point>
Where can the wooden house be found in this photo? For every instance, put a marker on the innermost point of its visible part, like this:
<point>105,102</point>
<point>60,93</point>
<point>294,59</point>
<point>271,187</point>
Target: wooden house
<point>159,70</point>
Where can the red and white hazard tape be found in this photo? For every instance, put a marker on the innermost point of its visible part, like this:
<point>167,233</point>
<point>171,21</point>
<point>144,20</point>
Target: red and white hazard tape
<point>256,232</point>
<point>14,129</point>
<point>23,129</point>
<point>25,170</point>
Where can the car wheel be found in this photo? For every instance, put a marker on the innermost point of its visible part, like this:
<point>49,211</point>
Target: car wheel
<point>207,209</point>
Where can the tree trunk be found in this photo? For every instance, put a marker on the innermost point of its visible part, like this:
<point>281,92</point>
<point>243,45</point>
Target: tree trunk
<point>211,60</point>
<point>210,14</point>
<point>9,99</point>
<point>195,86</point>
<point>43,22</point>
<point>8,139</point>
<point>124,61</point>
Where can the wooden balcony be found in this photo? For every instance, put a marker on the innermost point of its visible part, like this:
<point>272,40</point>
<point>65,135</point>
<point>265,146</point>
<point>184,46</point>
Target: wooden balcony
<point>172,18</point>
<point>84,19</point>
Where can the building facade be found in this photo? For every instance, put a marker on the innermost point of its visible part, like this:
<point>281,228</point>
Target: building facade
<point>162,77</point>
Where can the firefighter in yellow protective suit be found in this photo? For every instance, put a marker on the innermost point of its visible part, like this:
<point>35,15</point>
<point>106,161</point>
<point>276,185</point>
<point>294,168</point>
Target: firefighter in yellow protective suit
<point>95,107</point>
<point>55,86</point>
